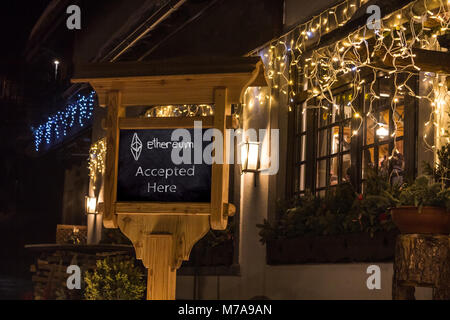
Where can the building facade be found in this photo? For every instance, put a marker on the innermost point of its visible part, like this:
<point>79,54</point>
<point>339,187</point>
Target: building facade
<point>345,97</point>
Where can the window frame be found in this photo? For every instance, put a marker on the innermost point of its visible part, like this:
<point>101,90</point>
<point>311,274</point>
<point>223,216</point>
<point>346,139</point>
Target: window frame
<point>357,144</point>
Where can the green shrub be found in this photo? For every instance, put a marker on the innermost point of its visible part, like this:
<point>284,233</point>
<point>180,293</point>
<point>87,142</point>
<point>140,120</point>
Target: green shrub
<point>115,279</point>
<point>423,193</point>
<point>340,211</point>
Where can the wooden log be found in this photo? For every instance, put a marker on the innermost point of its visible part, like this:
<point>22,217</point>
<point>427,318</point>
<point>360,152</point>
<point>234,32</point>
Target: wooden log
<point>421,260</point>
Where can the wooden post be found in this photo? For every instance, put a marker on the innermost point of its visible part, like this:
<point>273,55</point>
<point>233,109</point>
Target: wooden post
<point>421,260</point>
<point>115,111</point>
<point>220,172</point>
<point>161,282</point>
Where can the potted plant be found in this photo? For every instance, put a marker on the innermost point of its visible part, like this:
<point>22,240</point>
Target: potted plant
<point>423,207</point>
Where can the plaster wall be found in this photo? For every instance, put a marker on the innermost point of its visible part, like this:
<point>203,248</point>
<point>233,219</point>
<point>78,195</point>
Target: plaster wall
<point>298,282</point>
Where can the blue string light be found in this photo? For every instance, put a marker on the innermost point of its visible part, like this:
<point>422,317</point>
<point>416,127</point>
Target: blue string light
<point>57,126</point>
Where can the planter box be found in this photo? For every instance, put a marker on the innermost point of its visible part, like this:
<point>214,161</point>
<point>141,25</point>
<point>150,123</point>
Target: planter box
<point>203,256</point>
<point>332,249</point>
<point>431,220</point>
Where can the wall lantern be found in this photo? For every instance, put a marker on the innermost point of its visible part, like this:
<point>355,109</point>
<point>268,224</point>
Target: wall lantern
<point>250,157</point>
<point>91,205</point>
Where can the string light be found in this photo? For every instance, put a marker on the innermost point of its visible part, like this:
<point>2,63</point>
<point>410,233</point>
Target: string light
<point>393,43</point>
<point>197,110</point>
<point>58,125</point>
<point>97,158</point>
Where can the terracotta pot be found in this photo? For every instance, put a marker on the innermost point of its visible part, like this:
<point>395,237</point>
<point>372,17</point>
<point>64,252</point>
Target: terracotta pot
<point>431,220</point>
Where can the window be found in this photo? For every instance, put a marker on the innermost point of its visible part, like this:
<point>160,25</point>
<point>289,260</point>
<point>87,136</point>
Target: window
<point>334,133</point>
<point>338,144</point>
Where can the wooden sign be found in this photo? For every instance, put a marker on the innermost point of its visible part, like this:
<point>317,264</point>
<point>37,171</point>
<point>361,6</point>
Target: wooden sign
<point>162,212</point>
<point>147,172</point>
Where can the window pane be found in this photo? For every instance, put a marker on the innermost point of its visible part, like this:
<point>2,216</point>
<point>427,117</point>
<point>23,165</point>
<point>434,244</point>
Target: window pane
<point>334,169</point>
<point>383,122</point>
<point>348,112</point>
<point>346,164</point>
<point>399,146</point>
<point>335,140</point>
<point>368,156</point>
<point>398,120</point>
<point>370,130</point>
<point>335,113</point>
<point>398,164</point>
<point>383,156</point>
<point>321,174</point>
<point>385,89</point>
<point>347,137</point>
<point>322,149</point>
<point>324,117</point>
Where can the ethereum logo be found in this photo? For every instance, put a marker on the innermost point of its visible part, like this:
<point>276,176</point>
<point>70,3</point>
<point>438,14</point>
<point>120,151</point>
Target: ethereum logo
<point>136,147</point>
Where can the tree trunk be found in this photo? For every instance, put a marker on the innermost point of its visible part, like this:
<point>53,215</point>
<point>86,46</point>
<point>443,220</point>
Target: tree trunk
<point>421,261</point>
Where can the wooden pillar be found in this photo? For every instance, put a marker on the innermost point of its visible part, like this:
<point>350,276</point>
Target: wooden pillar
<point>220,172</point>
<point>115,111</point>
<point>158,256</point>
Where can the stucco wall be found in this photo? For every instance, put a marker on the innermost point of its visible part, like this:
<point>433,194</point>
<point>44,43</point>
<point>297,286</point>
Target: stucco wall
<point>298,282</point>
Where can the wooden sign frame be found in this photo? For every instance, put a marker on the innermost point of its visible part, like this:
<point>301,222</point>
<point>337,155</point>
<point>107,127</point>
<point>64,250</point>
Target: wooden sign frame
<point>160,225</point>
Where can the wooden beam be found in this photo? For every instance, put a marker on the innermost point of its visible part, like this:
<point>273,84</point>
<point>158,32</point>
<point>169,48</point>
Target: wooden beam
<point>170,122</point>
<point>158,208</point>
<point>166,67</point>
<point>427,60</point>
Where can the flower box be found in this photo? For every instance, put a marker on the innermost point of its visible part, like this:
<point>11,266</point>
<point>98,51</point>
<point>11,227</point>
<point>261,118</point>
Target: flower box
<point>332,249</point>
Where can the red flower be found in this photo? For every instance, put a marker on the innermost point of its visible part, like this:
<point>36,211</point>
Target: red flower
<point>383,217</point>
<point>360,196</point>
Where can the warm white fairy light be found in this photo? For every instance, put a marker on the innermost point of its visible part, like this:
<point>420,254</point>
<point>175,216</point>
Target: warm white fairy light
<point>97,158</point>
<point>400,33</point>
<point>197,110</point>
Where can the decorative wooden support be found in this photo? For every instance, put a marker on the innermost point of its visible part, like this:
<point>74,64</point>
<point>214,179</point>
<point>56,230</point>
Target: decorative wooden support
<point>421,260</point>
<point>149,235</point>
<point>163,234</point>
<point>220,172</point>
<point>161,282</point>
<point>115,111</point>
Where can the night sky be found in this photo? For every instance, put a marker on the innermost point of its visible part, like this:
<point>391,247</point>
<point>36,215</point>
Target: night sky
<point>17,19</point>
<point>20,223</point>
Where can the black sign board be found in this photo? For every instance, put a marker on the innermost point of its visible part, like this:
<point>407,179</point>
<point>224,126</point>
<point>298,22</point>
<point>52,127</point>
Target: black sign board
<point>147,172</point>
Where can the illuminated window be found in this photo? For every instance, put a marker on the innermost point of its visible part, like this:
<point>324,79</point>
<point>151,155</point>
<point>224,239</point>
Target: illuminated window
<point>340,141</point>
<point>383,130</point>
<point>334,134</point>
